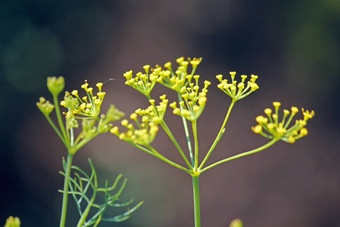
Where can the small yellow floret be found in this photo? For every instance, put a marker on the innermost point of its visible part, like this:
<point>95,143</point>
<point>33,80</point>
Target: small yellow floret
<point>85,85</point>
<point>115,130</point>
<point>276,104</point>
<point>125,122</point>
<point>257,129</point>
<point>167,65</point>
<point>133,116</point>
<point>232,74</point>
<point>146,68</point>
<point>303,132</point>
<point>294,110</point>
<point>99,86</point>
<point>268,111</point>
<point>74,92</point>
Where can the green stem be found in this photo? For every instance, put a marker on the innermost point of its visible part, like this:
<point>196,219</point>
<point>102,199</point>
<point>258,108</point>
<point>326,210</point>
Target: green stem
<point>241,155</point>
<point>219,135</point>
<point>161,157</point>
<point>194,131</point>
<point>84,142</point>
<point>58,113</point>
<point>187,135</point>
<point>56,130</point>
<point>196,193</point>
<point>171,136</point>
<point>168,132</point>
<point>65,191</point>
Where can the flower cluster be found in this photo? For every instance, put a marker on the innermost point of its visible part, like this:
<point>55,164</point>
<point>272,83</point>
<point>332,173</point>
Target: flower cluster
<point>143,82</point>
<point>45,106</point>
<point>237,90</point>
<point>270,126</point>
<point>146,129</point>
<point>12,222</point>
<point>193,102</point>
<point>179,78</point>
<point>86,107</point>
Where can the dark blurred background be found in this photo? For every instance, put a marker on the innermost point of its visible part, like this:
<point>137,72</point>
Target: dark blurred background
<point>293,46</point>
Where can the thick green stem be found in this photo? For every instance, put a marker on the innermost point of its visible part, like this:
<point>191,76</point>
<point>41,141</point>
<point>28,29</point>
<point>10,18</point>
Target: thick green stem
<point>196,193</point>
<point>241,155</point>
<point>220,133</point>
<point>65,191</point>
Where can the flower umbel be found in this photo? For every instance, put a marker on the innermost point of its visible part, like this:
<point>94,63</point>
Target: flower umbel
<point>237,90</point>
<point>142,127</point>
<point>179,78</point>
<point>154,113</point>
<point>143,82</point>
<point>270,127</point>
<point>88,106</point>
<point>193,103</point>
<point>146,129</point>
<point>87,109</point>
<point>144,134</point>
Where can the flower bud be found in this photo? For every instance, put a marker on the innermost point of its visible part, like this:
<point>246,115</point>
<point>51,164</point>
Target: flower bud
<point>236,223</point>
<point>55,85</point>
<point>12,222</point>
<point>45,106</point>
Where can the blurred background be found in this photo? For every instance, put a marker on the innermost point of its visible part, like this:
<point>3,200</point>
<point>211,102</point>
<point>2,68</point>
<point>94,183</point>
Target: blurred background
<point>293,46</point>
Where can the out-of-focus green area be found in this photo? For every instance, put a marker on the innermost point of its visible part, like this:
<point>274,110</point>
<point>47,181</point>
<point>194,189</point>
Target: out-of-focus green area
<point>293,46</point>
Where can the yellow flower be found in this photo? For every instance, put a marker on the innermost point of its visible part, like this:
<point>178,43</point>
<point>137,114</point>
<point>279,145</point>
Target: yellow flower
<point>144,127</point>
<point>270,127</point>
<point>179,78</point>
<point>143,133</point>
<point>193,103</point>
<point>143,82</point>
<point>87,106</point>
<point>237,90</point>
<point>154,113</point>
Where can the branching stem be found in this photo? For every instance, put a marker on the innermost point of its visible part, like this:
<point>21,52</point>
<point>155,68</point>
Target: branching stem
<point>219,135</point>
<point>240,155</point>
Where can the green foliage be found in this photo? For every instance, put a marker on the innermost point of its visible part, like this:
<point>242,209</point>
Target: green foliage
<point>85,191</point>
